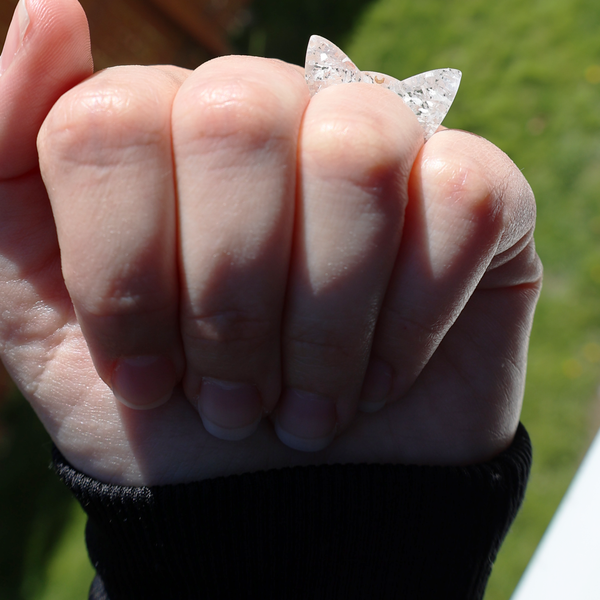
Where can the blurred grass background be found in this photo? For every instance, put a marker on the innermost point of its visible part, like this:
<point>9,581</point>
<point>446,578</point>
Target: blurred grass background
<point>531,84</point>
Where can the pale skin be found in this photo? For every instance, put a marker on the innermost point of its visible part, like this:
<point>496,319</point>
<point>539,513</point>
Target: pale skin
<point>207,273</point>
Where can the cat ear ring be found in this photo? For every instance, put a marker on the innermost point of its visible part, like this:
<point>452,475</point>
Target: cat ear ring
<point>429,95</point>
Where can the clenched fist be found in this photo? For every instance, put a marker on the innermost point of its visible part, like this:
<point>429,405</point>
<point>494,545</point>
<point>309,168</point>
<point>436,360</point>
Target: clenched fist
<point>205,273</point>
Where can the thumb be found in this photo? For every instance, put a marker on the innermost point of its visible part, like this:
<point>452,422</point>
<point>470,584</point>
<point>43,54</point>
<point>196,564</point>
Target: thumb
<point>47,52</point>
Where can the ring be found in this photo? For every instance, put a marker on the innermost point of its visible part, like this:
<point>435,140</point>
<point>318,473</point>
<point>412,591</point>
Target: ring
<point>429,95</point>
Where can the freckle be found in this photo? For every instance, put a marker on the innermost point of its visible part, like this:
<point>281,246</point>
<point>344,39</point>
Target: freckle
<point>379,79</point>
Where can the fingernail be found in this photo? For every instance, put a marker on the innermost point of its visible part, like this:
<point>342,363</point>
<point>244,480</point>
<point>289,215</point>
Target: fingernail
<point>14,37</point>
<point>377,386</point>
<point>229,410</point>
<point>143,382</point>
<point>305,421</point>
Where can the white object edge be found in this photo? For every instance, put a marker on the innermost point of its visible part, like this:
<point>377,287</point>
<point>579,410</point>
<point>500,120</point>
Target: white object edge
<point>566,564</point>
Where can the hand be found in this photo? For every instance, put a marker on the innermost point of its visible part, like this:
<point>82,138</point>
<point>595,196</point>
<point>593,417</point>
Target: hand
<point>210,255</point>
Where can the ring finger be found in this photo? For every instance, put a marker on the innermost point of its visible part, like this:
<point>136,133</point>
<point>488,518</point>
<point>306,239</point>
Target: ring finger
<point>357,146</point>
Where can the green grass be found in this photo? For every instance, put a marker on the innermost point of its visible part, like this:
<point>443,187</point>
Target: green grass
<point>42,555</point>
<point>532,86</point>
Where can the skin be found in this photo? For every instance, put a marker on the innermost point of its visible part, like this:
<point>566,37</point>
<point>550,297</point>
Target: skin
<point>180,250</point>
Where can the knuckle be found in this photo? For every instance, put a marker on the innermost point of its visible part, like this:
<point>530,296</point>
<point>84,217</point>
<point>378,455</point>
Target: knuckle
<point>109,297</point>
<point>458,183</point>
<point>229,326</point>
<point>102,115</point>
<point>424,334</point>
<point>316,345</point>
<point>354,148</point>
<point>520,265</point>
<point>234,112</point>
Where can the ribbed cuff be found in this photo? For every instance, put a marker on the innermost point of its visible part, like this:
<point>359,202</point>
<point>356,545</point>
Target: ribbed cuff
<point>324,532</point>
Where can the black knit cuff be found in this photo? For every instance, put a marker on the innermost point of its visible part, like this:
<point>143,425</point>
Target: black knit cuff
<point>325,532</point>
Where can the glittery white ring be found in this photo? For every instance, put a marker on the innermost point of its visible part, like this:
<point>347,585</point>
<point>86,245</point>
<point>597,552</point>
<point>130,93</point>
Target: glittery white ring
<point>429,95</point>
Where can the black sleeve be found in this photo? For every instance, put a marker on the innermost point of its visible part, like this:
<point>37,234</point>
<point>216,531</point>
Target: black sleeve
<point>326,532</point>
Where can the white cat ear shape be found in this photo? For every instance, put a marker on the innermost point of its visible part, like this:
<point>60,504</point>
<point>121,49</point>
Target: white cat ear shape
<point>429,95</point>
